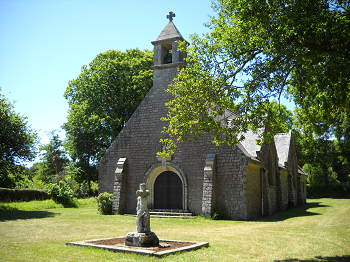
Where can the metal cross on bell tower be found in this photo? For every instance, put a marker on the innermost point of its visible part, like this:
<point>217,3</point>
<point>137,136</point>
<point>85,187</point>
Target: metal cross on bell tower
<point>170,16</point>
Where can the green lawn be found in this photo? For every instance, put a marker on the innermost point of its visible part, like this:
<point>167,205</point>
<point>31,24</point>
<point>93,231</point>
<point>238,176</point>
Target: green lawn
<point>38,231</point>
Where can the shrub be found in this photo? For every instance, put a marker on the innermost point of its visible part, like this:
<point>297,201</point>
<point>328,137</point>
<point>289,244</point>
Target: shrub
<point>104,201</point>
<point>94,188</point>
<point>84,189</point>
<point>62,194</point>
<point>219,213</point>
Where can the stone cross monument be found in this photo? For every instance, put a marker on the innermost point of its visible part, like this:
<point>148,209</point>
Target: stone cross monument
<point>143,237</point>
<point>143,217</point>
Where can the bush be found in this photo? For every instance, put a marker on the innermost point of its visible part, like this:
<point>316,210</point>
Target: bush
<point>94,188</point>
<point>105,201</point>
<point>17,195</point>
<point>84,189</point>
<point>62,194</point>
<point>219,213</point>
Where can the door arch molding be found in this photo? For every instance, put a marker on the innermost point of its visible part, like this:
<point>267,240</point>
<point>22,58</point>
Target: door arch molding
<point>152,174</point>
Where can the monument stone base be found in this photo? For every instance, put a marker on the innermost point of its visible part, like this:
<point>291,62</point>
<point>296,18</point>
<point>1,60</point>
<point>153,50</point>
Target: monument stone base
<point>148,239</point>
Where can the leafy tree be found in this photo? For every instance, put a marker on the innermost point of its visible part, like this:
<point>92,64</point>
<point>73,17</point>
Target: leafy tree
<point>316,175</point>
<point>319,152</point>
<point>258,51</point>
<point>17,144</point>
<point>342,145</point>
<point>53,159</point>
<point>36,174</point>
<point>325,156</point>
<point>101,100</point>
<point>285,116</point>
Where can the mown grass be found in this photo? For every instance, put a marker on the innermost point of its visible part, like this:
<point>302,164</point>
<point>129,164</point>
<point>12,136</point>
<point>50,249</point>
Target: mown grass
<point>317,231</point>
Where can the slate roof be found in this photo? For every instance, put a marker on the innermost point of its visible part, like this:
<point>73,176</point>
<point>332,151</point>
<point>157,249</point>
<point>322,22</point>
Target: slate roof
<point>169,32</point>
<point>282,142</point>
<point>301,172</point>
<point>249,143</point>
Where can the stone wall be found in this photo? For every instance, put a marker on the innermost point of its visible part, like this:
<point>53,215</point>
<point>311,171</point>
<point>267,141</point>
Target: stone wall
<point>230,175</point>
<point>271,193</point>
<point>254,191</point>
<point>139,139</point>
<point>284,188</point>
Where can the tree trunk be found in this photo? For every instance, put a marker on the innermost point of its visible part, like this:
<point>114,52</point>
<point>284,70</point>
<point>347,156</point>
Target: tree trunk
<point>57,160</point>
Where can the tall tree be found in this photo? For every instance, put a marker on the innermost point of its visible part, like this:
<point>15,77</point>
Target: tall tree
<point>325,155</point>
<point>18,142</point>
<point>53,159</point>
<point>102,99</point>
<point>258,51</point>
<point>342,145</point>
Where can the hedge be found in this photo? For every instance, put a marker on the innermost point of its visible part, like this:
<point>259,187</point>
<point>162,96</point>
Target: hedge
<point>17,195</point>
<point>330,191</point>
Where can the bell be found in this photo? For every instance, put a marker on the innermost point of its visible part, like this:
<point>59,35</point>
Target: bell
<point>167,59</point>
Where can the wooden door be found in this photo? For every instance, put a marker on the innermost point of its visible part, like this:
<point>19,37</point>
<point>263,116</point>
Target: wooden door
<point>168,191</point>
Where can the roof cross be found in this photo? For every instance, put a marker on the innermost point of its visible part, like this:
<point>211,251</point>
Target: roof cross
<point>170,16</point>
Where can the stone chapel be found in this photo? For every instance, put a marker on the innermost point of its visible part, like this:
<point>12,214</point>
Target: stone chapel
<point>248,180</point>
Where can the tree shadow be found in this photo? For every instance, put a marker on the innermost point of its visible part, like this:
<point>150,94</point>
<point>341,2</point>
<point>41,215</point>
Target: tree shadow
<point>300,211</point>
<point>15,214</point>
<point>345,258</point>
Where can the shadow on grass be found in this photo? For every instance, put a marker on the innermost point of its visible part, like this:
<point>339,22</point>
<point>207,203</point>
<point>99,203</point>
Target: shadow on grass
<point>300,211</point>
<point>320,259</point>
<point>14,214</point>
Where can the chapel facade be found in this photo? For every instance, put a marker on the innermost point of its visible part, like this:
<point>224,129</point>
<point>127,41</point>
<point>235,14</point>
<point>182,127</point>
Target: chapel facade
<point>248,180</point>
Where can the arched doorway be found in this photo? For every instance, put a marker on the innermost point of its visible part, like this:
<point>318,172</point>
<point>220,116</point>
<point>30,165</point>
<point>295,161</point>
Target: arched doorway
<point>156,170</point>
<point>168,191</point>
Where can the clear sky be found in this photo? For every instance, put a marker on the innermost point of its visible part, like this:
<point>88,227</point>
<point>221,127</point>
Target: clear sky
<point>44,44</point>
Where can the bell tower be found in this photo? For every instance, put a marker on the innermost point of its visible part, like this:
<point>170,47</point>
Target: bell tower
<point>166,53</point>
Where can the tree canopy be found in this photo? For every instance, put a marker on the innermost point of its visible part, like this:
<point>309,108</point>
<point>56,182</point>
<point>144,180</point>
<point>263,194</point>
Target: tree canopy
<point>101,100</point>
<point>53,159</point>
<point>258,51</point>
<point>103,97</point>
<point>18,142</point>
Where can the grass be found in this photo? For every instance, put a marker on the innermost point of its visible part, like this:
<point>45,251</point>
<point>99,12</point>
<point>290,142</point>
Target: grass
<point>38,231</point>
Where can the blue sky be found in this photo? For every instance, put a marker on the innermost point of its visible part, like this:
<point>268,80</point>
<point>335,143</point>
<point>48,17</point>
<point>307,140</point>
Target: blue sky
<point>44,44</point>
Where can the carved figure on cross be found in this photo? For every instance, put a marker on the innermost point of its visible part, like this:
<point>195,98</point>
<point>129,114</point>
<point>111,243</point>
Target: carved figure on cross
<point>170,16</point>
<point>143,217</point>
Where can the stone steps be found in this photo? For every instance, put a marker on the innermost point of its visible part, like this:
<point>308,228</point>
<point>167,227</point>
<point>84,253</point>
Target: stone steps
<point>171,213</point>
<point>168,213</point>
